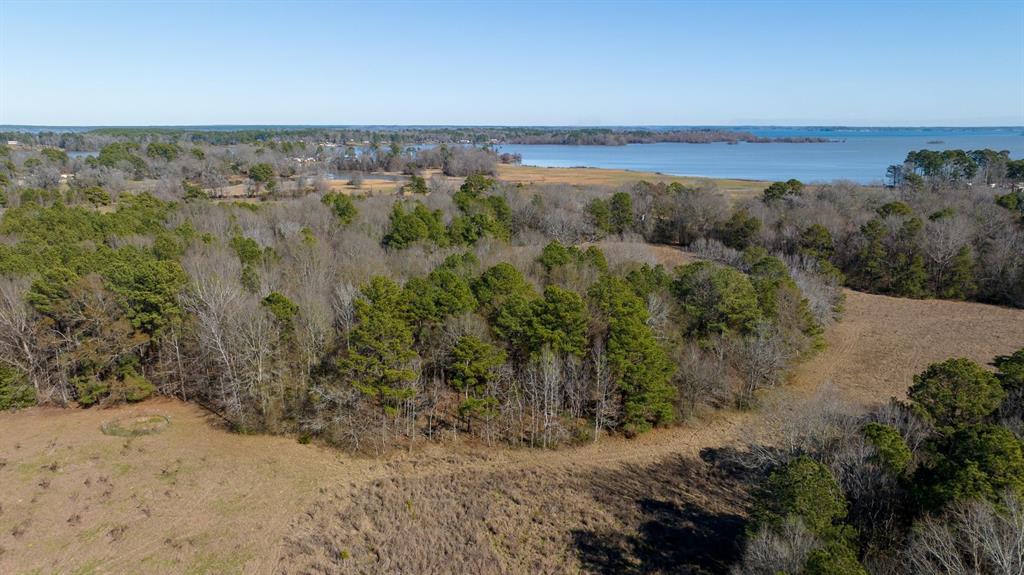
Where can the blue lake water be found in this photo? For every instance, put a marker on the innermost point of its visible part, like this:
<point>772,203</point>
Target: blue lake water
<point>861,155</point>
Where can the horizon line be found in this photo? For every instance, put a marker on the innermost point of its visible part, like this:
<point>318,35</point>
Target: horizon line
<point>571,126</point>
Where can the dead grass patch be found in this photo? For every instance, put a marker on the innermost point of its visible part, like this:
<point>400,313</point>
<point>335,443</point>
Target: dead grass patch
<point>136,425</point>
<point>733,188</point>
<point>681,514</point>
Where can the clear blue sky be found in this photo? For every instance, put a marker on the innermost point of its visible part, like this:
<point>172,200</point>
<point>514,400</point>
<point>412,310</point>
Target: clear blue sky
<point>865,63</point>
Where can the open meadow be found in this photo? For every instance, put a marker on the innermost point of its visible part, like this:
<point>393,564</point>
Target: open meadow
<point>734,189</point>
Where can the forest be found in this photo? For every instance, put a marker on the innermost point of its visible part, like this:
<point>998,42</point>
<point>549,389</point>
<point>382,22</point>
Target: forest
<point>525,315</point>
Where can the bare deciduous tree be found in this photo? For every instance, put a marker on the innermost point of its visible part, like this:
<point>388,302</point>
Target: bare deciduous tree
<point>971,538</point>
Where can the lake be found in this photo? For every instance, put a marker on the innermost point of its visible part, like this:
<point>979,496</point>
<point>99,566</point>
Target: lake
<point>858,154</point>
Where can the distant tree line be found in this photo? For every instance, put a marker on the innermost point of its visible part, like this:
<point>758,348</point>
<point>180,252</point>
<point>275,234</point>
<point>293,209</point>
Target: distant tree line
<point>471,135</point>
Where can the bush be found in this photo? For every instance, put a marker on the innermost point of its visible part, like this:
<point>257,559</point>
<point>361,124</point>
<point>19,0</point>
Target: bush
<point>263,175</point>
<point>96,196</point>
<point>416,185</point>
<point>130,387</point>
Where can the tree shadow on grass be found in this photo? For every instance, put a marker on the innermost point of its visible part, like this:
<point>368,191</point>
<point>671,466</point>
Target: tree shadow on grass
<point>682,515</point>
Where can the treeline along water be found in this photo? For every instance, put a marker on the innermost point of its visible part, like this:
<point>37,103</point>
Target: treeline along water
<point>858,154</point>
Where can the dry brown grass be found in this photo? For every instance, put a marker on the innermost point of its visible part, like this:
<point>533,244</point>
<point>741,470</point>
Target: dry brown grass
<point>370,186</point>
<point>733,188</point>
<point>883,341</point>
<point>192,498</point>
<point>679,515</point>
<point>198,499</point>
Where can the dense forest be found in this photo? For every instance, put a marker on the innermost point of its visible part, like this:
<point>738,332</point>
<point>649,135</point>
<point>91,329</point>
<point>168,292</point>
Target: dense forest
<point>377,320</point>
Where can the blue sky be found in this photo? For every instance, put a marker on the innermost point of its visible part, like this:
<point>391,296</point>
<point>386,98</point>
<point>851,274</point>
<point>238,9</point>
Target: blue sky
<point>535,63</point>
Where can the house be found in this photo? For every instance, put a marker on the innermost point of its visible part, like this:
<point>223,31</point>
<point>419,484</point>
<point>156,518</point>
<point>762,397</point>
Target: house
<point>12,142</point>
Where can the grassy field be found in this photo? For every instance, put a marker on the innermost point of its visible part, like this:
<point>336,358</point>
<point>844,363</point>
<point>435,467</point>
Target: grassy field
<point>81,494</point>
<point>603,177</point>
<point>369,186</point>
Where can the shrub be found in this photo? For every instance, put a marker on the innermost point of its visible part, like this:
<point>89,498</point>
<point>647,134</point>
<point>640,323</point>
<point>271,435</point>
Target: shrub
<point>130,387</point>
<point>263,175</point>
<point>126,387</point>
<point>416,185</point>
<point>895,209</point>
<point>554,255</point>
<point>96,196</point>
